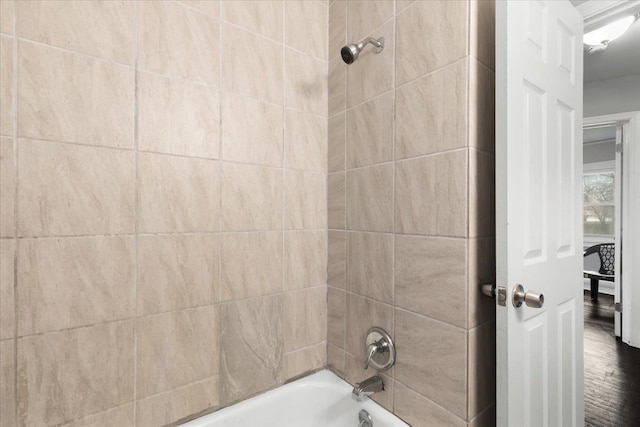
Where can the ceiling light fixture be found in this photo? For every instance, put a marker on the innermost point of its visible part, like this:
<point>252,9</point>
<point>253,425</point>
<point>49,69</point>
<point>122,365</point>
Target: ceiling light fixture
<point>600,38</point>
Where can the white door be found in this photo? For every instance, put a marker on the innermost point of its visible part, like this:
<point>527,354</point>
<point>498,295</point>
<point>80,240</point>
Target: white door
<point>538,212</point>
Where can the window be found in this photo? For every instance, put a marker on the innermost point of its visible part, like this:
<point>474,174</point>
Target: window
<point>599,203</point>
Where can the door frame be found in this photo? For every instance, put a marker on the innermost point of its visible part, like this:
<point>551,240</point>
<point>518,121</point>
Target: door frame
<point>630,230</point>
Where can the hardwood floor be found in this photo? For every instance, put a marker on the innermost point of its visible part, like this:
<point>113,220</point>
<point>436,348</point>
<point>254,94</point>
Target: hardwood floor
<point>611,369</point>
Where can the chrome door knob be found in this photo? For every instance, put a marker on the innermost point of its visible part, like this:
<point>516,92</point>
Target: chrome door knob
<point>531,299</point>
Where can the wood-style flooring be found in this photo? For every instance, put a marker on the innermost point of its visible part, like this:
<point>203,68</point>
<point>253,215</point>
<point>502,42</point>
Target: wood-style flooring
<point>611,369</point>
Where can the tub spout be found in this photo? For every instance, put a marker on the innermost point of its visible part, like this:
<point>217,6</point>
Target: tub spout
<point>367,388</point>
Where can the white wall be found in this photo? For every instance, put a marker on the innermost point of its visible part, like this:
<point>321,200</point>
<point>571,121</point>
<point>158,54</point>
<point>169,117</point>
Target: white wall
<point>612,96</point>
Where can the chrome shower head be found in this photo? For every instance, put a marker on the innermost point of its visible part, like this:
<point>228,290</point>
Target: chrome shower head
<point>351,51</point>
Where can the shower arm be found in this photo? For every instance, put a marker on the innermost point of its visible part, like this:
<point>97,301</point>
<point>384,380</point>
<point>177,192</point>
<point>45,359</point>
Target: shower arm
<point>379,44</point>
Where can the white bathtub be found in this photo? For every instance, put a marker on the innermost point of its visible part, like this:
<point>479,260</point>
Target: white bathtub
<point>319,400</point>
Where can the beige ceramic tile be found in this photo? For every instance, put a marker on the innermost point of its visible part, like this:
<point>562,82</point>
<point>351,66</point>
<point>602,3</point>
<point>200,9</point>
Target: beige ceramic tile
<point>175,349</point>
<point>251,342</point>
<point>305,140</point>
<point>120,416</point>
<point>482,368</point>
<point>337,263</point>
<point>337,86</point>
<point>305,254</point>
<point>364,16</point>
<point>7,16</point>
<point>403,4</point>
<point>251,131</point>
<point>177,194</point>
<point>428,271</point>
<point>177,272</point>
<point>303,361</point>
<point>261,17</point>
<point>370,132</point>
<point>481,107</point>
<point>305,318</point>
<point>354,373</point>
<point>337,138</point>
<point>7,181</point>
<point>7,284</point>
<point>177,117</point>
<point>53,368</point>
<point>252,265</point>
<point>305,83</point>
<point>306,200</point>
<point>102,29</point>
<point>243,70</point>
<point>444,378</point>
<point>7,383</point>
<point>251,197</point>
<point>337,28</point>
<point>210,7</point>
<point>336,216</point>
<point>443,23</point>
<point>370,265</point>
<point>431,113</point>
<point>362,314</point>
<point>336,313</point>
<point>7,87</point>
<point>336,359</point>
<point>170,406</point>
<point>177,41</point>
<point>372,73</point>
<point>370,198</point>
<point>70,282</point>
<point>306,27</point>
<point>482,269</point>
<point>482,31</point>
<point>431,195</point>
<point>74,98</point>
<point>482,210</point>
<point>418,411</point>
<point>74,190</point>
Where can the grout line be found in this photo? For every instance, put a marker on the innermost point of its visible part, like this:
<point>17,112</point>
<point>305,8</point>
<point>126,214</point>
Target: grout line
<point>136,104</point>
<point>15,159</point>
<point>393,193</point>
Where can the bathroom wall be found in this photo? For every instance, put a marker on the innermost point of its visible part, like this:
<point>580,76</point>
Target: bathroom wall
<point>163,200</point>
<point>411,204</point>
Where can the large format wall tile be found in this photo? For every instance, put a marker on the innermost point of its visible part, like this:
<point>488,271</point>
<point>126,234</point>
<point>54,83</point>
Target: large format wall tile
<point>370,265</point>
<point>7,283</point>
<point>175,349</point>
<point>55,369</point>
<point>363,16</point>
<point>432,113</point>
<point>251,343</point>
<point>243,70</point>
<point>308,359</point>
<point>251,131</point>
<point>7,17</point>
<point>432,360</point>
<point>336,359</point>
<point>337,140</point>
<point>337,80</point>
<point>103,29</point>
<point>73,98</point>
<point>7,383</point>
<point>305,255</point>
<point>251,265</point>
<point>482,368</point>
<point>305,141</point>
<point>177,41</point>
<point>336,200</point>
<point>306,27</point>
<point>481,106</point>
<point>177,194</point>
<point>337,28</point>
<point>443,23</point>
<point>7,181</point>
<point>431,195</point>
<point>74,190</point>
<point>177,117</point>
<point>482,207</point>
<point>362,314</point>
<point>336,315</point>
<point>119,416</point>
<point>370,132</point>
<point>482,269</point>
<point>7,88</point>
<point>428,272</point>
<point>177,271</point>
<point>417,410</point>
<point>251,197</point>
<point>261,17</point>
<point>306,200</point>
<point>70,282</point>
<point>337,259</point>
<point>370,198</point>
<point>305,318</point>
<point>305,83</point>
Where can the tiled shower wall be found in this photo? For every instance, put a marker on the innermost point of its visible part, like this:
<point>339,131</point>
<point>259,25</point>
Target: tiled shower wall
<point>163,206</point>
<point>410,202</point>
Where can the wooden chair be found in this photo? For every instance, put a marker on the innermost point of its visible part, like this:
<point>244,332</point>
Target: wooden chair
<point>606,254</point>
